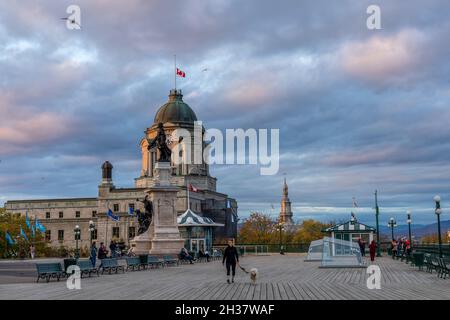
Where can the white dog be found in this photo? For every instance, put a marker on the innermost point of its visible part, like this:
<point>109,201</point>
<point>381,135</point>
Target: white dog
<point>253,273</point>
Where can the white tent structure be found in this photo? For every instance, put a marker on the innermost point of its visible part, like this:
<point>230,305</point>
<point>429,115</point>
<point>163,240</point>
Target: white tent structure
<point>335,253</point>
<point>315,251</point>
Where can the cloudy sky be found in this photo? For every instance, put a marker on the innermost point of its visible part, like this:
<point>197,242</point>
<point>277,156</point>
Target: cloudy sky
<point>357,109</point>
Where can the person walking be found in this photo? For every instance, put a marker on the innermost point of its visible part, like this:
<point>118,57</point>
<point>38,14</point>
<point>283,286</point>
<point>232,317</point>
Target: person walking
<point>32,251</point>
<point>231,257</point>
<point>112,248</point>
<point>372,249</point>
<point>394,246</point>
<point>93,256</point>
<point>362,246</point>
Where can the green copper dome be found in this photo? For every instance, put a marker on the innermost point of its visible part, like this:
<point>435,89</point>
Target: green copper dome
<point>175,110</point>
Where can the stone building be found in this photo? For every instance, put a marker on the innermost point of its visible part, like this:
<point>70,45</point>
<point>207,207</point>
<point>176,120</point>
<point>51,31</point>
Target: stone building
<point>60,216</point>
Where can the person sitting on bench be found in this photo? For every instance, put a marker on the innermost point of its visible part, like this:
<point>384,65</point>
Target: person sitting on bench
<point>184,255</point>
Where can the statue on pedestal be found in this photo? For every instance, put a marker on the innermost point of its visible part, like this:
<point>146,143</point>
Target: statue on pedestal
<point>145,219</point>
<point>161,143</point>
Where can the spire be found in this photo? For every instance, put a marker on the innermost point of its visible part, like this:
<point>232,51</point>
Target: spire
<point>286,212</point>
<point>285,189</point>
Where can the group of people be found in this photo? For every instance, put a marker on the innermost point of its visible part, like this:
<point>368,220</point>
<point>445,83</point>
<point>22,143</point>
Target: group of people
<point>400,247</point>
<point>185,255</point>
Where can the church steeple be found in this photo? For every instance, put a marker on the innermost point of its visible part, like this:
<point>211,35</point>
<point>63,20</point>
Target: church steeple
<point>286,212</point>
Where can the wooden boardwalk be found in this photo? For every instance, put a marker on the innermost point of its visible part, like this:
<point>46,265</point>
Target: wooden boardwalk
<point>280,278</point>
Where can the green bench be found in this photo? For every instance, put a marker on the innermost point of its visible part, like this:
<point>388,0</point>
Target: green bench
<point>170,260</point>
<point>154,262</point>
<point>134,263</point>
<point>111,265</point>
<point>86,267</point>
<point>49,270</point>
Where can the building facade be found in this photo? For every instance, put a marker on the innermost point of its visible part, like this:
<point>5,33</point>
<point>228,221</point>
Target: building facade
<point>60,216</point>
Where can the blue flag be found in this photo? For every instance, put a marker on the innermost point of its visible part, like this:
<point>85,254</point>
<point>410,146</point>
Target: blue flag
<point>9,239</point>
<point>112,216</point>
<point>39,226</point>
<point>23,233</point>
<point>131,211</point>
<point>27,221</point>
<point>33,232</point>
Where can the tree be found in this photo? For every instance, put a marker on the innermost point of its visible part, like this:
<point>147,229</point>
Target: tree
<point>310,230</point>
<point>258,228</point>
<point>11,223</point>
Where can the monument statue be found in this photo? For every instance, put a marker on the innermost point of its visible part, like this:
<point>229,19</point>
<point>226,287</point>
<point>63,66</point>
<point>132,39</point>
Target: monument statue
<point>161,143</point>
<point>145,219</point>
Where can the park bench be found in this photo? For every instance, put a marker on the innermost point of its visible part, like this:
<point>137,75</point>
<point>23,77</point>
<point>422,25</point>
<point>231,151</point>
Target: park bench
<point>86,267</point>
<point>217,255</point>
<point>134,263</point>
<point>49,270</point>
<point>443,268</point>
<point>170,260</point>
<point>154,261</point>
<point>110,265</point>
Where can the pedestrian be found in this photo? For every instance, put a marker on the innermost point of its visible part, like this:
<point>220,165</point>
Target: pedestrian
<point>102,252</point>
<point>372,249</point>
<point>408,247</point>
<point>93,256</point>
<point>112,248</point>
<point>230,256</point>
<point>32,251</point>
<point>362,246</point>
<point>394,248</point>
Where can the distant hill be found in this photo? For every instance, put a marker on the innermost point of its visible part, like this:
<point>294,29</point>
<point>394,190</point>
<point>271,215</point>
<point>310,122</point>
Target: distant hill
<point>417,230</point>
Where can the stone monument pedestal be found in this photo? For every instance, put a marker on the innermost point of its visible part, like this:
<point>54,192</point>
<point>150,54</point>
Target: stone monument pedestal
<point>163,236</point>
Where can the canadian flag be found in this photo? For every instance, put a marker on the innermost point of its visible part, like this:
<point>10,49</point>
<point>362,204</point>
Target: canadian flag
<point>181,73</point>
<point>192,188</point>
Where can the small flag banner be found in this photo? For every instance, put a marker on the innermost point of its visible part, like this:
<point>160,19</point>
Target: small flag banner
<point>192,188</point>
<point>131,211</point>
<point>9,239</point>
<point>112,216</point>
<point>22,233</point>
<point>181,73</point>
<point>27,221</point>
<point>39,226</point>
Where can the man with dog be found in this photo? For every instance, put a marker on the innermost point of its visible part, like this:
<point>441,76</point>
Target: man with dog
<point>230,257</point>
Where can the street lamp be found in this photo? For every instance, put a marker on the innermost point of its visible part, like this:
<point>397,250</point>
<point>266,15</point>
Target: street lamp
<point>77,232</point>
<point>377,214</point>
<point>408,221</point>
<point>438,212</point>
<point>392,223</point>
<point>280,226</point>
<point>91,229</point>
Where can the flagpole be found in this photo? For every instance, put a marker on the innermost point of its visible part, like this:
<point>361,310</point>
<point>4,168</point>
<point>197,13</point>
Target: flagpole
<point>175,70</point>
<point>188,203</point>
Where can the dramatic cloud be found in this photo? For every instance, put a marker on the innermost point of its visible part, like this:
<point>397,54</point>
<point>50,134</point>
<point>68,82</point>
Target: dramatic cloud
<point>357,109</point>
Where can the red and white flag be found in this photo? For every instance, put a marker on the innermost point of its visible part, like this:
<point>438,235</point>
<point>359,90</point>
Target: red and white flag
<point>192,188</point>
<point>181,73</point>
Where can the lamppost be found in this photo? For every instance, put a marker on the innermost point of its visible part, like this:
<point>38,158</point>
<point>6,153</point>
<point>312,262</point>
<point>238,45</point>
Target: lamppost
<point>438,212</point>
<point>280,227</point>
<point>408,221</point>
<point>77,232</point>
<point>392,223</point>
<point>377,213</point>
<point>91,229</point>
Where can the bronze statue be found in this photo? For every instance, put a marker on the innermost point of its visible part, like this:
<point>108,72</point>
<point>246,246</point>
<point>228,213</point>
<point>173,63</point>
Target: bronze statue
<point>161,144</point>
<point>145,219</point>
